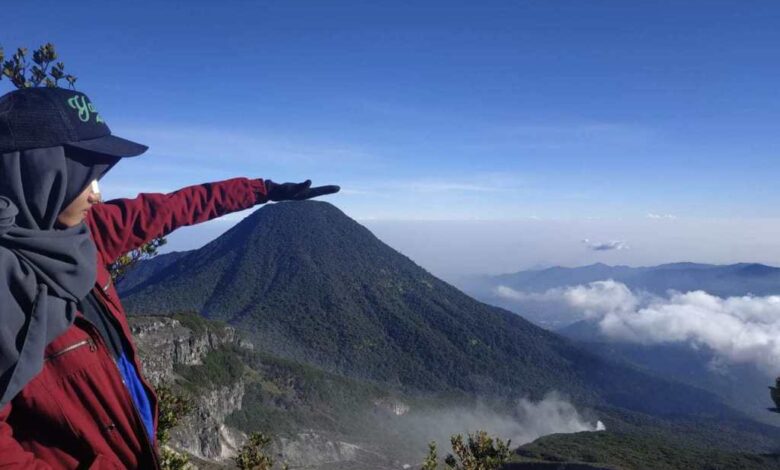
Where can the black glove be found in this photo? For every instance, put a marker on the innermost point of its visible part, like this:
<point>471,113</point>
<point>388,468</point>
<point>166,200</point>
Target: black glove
<point>296,191</point>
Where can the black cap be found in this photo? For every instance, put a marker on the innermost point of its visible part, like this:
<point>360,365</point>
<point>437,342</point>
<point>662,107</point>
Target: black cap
<point>46,117</point>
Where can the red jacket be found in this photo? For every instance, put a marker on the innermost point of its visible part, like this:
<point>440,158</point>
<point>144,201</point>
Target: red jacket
<point>77,413</point>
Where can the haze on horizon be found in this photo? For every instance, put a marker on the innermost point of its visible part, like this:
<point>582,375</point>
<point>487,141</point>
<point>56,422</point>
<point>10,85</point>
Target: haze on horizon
<point>457,248</point>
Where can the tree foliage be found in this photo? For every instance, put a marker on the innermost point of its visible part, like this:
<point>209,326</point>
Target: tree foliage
<point>431,460</point>
<point>479,452</point>
<point>253,454</point>
<point>44,70</point>
<point>172,408</point>
<point>122,265</point>
<point>669,449</point>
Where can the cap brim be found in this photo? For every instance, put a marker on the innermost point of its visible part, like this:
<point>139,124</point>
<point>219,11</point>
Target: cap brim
<point>111,145</point>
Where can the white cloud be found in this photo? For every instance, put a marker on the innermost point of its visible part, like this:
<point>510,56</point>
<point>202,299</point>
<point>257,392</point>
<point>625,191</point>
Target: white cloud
<point>605,246</point>
<point>507,293</point>
<point>599,297</point>
<point>661,216</point>
<point>487,182</point>
<point>446,186</point>
<point>738,329</point>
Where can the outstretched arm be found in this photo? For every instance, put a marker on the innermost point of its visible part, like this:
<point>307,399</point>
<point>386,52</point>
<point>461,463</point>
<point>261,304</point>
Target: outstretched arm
<point>121,225</point>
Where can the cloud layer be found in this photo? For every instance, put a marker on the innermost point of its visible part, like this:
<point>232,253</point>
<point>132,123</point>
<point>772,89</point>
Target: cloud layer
<point>738,329</point>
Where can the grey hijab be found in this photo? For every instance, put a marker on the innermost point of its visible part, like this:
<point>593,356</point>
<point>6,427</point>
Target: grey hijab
<point>44,270</point>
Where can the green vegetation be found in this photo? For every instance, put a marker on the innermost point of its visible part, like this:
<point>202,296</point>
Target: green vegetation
<point>334,298</point>
<point>253,455</point>
<point>16,68</point>
<point>197,323</point>
<point>172,460</point>
<point>479,452</point>
<point>120,267</point>
<point>172,408</point>
<point>634,451</point>
<point>342,300</point>
<point>284,396</point>
<point>221,366</point>
<point>431,461</point>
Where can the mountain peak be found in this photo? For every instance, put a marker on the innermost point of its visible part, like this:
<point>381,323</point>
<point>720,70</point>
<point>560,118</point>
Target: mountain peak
<point>309,283</point>
<point>296,213</point>
<point>306,282</point>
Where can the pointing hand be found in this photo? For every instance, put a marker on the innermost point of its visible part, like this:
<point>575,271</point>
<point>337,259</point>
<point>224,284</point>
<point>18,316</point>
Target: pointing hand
<point>297,191</point>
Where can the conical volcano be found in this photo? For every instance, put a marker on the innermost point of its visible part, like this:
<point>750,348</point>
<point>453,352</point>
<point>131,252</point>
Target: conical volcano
<point>309,283</point>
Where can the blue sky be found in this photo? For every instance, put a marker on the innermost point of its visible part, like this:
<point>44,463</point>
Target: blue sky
<point>425,111</point>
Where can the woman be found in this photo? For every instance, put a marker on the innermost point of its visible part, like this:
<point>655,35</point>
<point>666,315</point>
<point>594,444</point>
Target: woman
<point>72,391</point>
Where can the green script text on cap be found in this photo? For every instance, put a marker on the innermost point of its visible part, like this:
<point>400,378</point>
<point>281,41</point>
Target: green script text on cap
<point>46,117</point>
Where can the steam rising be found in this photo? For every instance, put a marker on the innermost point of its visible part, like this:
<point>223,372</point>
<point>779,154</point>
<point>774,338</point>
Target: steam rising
<point>552,415</point>
<point>530,420</point>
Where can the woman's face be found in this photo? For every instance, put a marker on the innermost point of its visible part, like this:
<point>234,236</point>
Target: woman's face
<point>76,211</point>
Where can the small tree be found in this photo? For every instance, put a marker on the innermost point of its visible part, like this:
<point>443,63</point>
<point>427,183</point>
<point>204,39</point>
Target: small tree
<point>122,265</point>
<point>481,452</point>
<point>171,409</point>
<point>172,460</point>
<point>431,462</point>
<point>253,456</point>
<point>15,68</point>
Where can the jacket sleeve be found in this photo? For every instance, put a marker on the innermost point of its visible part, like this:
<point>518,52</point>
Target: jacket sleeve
<point>121,225</point>
<point>12,455</point>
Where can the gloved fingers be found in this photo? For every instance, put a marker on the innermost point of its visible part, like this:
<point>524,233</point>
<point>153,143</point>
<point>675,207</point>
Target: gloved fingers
<point>321,190</point>
<point>301,187</point>
<point>297,191</point>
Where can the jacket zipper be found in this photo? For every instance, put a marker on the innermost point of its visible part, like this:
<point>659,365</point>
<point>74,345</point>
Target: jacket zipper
<point>107,300</point>
<point>137,415</point>
<point>127,394</point>
<point>89,341</point>
<point>155,458</point>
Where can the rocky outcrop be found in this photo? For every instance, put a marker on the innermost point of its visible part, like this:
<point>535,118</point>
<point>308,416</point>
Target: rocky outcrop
<point>203,432</point>
<point>163,343</point>
<point>309,449</point>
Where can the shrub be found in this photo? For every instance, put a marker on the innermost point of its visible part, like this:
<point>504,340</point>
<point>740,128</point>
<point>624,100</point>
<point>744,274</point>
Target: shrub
<point>481,452</point>
<point>172,408</point>
<point>253,456</point>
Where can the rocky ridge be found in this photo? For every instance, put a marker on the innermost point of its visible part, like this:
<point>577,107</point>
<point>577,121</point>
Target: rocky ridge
<point>168,343</point>
<point>164,343</point>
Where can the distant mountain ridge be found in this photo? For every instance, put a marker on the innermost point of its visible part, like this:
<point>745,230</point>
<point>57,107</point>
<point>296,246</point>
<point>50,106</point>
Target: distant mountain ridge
<point>308,283</point>
<point>147,269</point>
<point>515,291</point>
<point>743,386</point>
<point>720,280</point>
